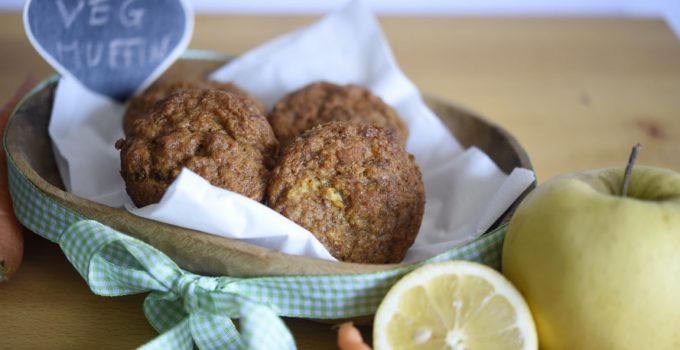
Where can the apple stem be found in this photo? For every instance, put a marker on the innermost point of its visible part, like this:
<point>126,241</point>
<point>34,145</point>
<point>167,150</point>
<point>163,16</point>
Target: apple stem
<point>629,169</point>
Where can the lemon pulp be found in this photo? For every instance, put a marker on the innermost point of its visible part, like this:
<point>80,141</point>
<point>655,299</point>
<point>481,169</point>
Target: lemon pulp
<point>454,305</point>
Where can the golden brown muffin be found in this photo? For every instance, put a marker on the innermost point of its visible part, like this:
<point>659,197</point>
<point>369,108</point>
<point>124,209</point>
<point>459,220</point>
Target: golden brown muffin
<point>141,104</point>
<point>323,102</point>
<point>218,135</point>
<point>357,190</point>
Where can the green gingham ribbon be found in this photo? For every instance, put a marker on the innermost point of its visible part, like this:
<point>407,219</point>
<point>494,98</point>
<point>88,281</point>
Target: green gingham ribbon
<point>181,305</point>
<point>187,308</point>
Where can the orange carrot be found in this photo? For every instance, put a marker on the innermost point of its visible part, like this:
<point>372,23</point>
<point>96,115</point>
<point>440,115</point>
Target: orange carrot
<point>349,338</point>
<point>11,231</point>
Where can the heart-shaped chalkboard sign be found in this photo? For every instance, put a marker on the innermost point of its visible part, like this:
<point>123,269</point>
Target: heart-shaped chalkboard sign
<point>113,47</point>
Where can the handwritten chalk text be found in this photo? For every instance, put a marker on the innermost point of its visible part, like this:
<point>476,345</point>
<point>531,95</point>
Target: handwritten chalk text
<point>123,50</point>
<point>118,53</point>
<point>101,12</point>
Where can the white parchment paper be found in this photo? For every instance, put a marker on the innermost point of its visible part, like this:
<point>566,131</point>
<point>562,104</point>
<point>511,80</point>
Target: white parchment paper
<point>465,190</point>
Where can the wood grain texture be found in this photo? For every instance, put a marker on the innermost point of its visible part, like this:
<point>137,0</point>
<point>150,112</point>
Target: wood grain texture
<point>577,93</point>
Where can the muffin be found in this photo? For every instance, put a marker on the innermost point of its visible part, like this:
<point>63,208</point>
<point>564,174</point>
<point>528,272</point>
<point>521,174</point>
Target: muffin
<point>141,104</point>
<point>323,102</point>
<point>356,189</point>
<point>218,135</point>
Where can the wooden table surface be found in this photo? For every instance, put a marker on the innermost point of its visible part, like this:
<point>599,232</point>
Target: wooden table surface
<point>577,93</point>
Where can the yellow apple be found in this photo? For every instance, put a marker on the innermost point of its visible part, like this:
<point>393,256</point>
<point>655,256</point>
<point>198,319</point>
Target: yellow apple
<point>599,270</point>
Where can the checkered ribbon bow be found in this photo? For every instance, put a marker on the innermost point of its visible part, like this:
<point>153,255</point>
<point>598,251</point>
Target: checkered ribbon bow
<point>183,307</point>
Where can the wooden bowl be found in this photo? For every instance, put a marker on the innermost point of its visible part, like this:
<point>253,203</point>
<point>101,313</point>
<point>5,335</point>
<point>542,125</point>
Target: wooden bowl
<point>29,145</point>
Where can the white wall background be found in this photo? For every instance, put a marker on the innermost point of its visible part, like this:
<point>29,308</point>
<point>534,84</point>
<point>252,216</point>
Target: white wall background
<point>666,9</point>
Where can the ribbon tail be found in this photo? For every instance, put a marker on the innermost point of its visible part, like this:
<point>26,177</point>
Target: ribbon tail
<point>257,320</point>
<point>215,332</point>
<point>164,310</point>
<point>178,337</point>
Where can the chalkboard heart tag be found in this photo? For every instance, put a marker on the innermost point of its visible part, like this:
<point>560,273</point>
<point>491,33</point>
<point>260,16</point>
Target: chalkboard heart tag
<point>113,47</point>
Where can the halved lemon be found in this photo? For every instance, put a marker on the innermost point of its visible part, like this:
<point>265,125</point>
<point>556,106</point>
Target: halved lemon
<point>454,305</point>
